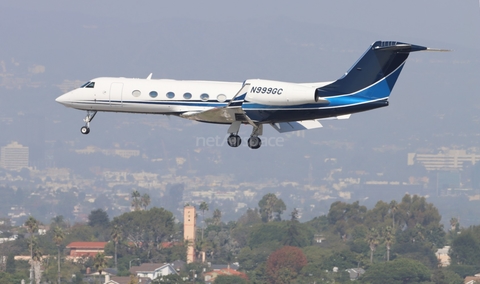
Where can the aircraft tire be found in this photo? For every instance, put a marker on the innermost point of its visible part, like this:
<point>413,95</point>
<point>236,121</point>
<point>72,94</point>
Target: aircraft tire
<point>85,130</point>
<point>234,140</point>
<point>254,142</point>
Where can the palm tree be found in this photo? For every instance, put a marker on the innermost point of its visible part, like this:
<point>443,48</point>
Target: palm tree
<point>393,209</point>
<point>136,200</point>
<point>145,201</point>
<point>217,217</point>
<point>389,240</point>
<point>58,237</point>
<point>116,235</point>
<point>203,207</point>
<point>99,262</point>
<point>372,240</point>
<point>32,227</point>
<point>36,262</point>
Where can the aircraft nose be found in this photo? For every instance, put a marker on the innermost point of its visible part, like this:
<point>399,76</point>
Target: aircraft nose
<point>63,99</point>
<point>60,99</point>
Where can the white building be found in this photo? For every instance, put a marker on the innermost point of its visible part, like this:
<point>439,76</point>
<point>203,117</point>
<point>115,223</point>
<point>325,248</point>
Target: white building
<point>14,156</point>
<point>153,270</point>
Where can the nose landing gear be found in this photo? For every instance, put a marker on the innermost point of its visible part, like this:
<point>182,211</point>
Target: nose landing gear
<point>90,115</point>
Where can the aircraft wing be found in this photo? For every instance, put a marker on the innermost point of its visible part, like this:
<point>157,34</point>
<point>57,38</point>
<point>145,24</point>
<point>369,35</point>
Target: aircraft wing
<point>283,127</point>
<point>229,114</point>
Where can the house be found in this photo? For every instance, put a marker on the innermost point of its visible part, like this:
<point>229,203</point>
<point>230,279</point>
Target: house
<point>234,266</point>
<point>212,275</point>
<point>355,273</point>
<point>85,249</point>
<point>179,265</point>
<point>442,256</point>
<point>472,279</point>
<point>125,280</point>
<point>153,270</point>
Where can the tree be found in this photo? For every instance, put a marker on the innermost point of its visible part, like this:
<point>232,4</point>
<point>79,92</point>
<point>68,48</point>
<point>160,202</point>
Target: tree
<point>393,210</point>
<point>116,235</point>
<point>58,237</point>
<point>99,218</point>
<point>59,221</point>
<point>217,217</point>
<point>373,239</point>
<point>100,263</point>
<point>400,270</point>
<point>229,279</point>
<point>389,239</point>
<point>136,202</point>
<point>465,249</point>
<point>285,264</point>
<point>145,230</point>
<point>145,201</point>
<point>32,227</point>
<point>293,234</point>
<point>445,276</point>
<point>36,262</point>
<point>454,224</point>
<point>271,207</point>
<point>10,265</point>
<point>203,208</point>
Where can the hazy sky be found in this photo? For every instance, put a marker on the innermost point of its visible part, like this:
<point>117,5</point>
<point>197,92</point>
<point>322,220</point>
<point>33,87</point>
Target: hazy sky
<point>433,20</point>
<point>299,41</point>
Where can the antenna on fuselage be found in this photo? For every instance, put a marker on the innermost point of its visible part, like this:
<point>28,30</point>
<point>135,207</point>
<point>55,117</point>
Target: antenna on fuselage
<point>149,76</point>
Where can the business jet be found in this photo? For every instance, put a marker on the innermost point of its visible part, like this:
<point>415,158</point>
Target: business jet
<point>285,106</point>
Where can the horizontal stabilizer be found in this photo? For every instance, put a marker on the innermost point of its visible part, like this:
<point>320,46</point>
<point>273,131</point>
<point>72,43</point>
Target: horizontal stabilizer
<point>296,125</point>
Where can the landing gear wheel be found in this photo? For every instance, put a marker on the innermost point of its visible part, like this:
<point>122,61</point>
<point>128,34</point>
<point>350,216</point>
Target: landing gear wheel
<point>234,140</point>
<point>254,142</point>
<point>85,130</point>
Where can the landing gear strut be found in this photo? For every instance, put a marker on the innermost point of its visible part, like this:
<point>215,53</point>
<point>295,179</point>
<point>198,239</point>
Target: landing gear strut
<point>90,115</point>
<point>254,142</point>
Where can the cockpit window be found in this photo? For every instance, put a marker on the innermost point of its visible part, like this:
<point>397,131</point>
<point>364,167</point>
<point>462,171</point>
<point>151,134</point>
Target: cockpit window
<point>91,85</point>
<point>84,85</point>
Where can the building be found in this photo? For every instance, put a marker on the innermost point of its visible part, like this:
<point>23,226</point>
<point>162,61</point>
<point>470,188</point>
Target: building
<point>442,256</point>
<point>85,249</point>
<point>126,280</point>
<point>212,275</point>
<point>444,161</point>
<point>355,273</point>
<point>14,156</point>
<point>152,270</point>
<point>189,219</point>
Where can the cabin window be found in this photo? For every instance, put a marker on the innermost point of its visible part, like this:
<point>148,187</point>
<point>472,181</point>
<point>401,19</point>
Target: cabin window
<point>204,97</point>
<point>136,93</point>
<point>90,85</point>
<point>170,95</point>
<point>153,94</point>
<point>187,96</point>
<point>221,98</point>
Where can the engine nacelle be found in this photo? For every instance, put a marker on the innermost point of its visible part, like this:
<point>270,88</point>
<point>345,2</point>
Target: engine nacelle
<point>277,93</point>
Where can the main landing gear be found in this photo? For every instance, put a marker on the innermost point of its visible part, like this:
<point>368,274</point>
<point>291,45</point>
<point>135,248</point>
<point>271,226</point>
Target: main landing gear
<point>90,115</point>
<point>254,142</point>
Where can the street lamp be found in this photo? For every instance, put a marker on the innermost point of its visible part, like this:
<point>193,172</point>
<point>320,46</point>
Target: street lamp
<point>130,263</point>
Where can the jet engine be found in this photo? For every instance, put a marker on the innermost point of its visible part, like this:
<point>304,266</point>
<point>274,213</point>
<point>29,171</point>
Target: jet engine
<point>277,93</point>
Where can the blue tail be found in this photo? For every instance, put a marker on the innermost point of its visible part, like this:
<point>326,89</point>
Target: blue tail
<point>375,73</point>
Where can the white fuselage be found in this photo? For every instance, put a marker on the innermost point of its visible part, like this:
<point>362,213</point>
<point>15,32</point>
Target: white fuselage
<point>150,96</point>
